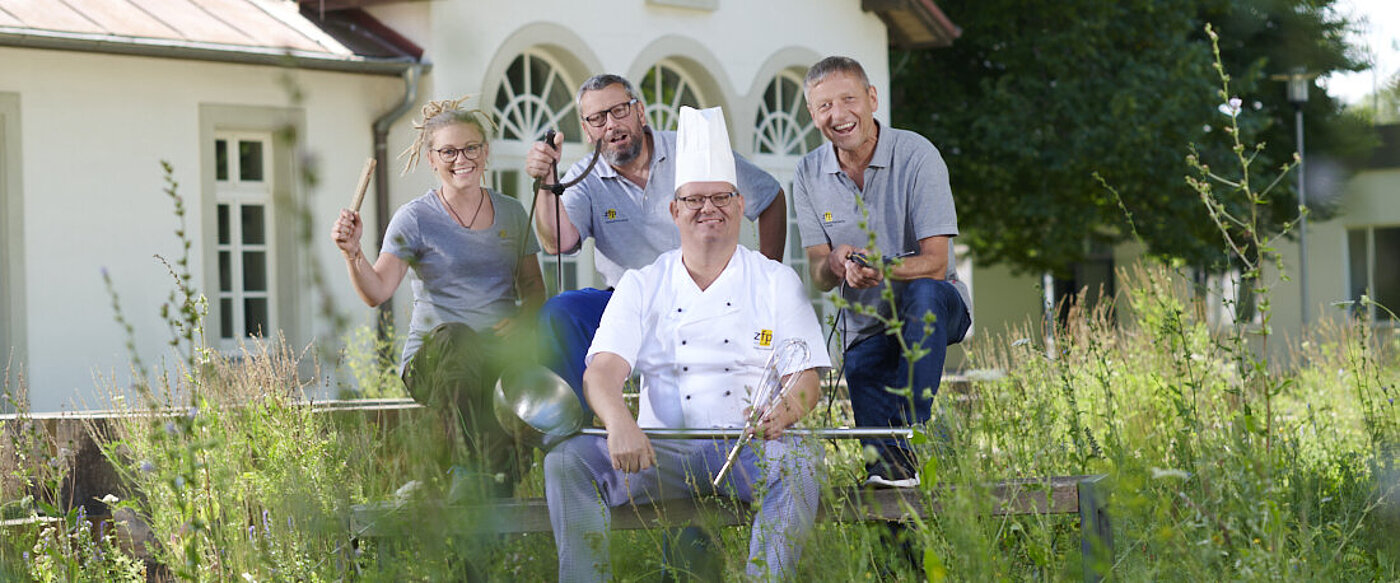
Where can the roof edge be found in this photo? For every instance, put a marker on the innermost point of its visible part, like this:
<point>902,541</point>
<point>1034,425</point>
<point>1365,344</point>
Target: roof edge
<point>199,51</point>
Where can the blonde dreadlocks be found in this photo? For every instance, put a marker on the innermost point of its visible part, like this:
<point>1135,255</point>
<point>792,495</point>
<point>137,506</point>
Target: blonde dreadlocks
<point>439,114</point>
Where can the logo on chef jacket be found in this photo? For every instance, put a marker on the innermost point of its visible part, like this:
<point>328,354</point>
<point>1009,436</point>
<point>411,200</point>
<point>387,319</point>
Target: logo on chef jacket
<point>763,339</point>
<point>829,218</point>
<point>612,216</point>
<point>504,235</point>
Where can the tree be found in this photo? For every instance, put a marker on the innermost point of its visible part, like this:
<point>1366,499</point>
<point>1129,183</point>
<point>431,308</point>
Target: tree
<point>1038,96</point>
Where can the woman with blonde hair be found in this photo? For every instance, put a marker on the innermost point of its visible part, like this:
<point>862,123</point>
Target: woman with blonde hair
<point>476,280</point>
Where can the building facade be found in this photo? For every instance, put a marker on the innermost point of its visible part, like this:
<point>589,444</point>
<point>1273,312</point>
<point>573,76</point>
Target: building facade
<point>265,111</point>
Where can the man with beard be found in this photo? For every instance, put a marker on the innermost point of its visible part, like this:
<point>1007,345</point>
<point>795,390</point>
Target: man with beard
<point>624,206</point>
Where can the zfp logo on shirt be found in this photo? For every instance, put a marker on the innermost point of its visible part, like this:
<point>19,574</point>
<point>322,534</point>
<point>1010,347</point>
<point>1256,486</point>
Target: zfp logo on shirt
<point>763,339</point>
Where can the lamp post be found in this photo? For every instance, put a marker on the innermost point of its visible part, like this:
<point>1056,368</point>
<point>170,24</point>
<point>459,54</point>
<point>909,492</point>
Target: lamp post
<point>1299,82</point>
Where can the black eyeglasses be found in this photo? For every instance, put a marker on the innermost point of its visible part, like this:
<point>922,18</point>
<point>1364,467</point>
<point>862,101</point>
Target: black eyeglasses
<point>472,152</point>
<point>618,111</point>
<point>696,202</point>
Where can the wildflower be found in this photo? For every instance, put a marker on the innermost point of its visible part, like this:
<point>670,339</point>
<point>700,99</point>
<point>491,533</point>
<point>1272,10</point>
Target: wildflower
<point>1232,107</point>
<point>170,427</point>
<point>147,466</point>
<point>252,532</point>
<point>179,482</point>
<point>194,411</point>
<point>110,499</point>
<point>249,578</point>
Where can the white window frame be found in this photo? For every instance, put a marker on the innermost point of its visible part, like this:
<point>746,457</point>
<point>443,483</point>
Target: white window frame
<point>237,193</point>
<point>779,142</point>
<point>526,111</point>
<point>665,114</point>
<point>1376,317</point>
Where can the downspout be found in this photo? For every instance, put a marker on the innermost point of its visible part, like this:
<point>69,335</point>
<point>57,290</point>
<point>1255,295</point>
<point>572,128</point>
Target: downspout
<point>411,77</point>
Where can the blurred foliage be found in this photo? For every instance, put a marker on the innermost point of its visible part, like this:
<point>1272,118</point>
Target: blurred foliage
<point>1036,96</point>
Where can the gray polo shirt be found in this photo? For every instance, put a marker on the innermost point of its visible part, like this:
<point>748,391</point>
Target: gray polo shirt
<point>908,198</point>
<point>459,274</point>
<point>632,226</point>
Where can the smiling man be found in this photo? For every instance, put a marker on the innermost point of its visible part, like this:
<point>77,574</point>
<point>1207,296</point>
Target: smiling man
<point>699,325</point>
<point>624,206</point>
<point>902,181</point>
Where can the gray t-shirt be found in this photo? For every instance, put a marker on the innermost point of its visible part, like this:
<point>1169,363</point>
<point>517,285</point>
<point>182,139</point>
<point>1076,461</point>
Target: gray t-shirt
<point>459,274</point>
<point>908,198</point>
<point>632,226</point>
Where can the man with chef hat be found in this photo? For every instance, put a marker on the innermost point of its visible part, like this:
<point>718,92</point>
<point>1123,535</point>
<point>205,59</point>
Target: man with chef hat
<point>623,205</point>
<point>699,325</point>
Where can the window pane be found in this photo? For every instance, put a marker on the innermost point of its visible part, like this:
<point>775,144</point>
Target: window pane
<point>225,272</point>
<point>221,160</point>
<point>255,316</point>
<point>254,231</point>
<point>1357,261</point>
<point>250,161</point>
<point>254,271</point>
<point>223,225</point>
<point>226,318</point>
<point>1387,284</point>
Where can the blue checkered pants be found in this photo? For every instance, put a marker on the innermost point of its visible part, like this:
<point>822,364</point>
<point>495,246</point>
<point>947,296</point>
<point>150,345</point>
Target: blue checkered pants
<point>581,485</point>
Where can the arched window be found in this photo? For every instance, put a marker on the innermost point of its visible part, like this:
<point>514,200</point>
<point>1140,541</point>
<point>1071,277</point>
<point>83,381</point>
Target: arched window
<point>666,88</point>
<point>783,126</point>
<point>783,133</point>
<point>536,95</point>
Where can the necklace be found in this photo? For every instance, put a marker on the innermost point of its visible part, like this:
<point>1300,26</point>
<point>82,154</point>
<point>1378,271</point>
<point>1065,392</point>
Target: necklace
<point>468,224</point>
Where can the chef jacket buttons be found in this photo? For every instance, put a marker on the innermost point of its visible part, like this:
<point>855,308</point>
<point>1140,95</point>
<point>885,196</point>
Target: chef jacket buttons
<point>678,309</point>
<point>726,393</point>
<point>685,368</point>
<point>682,343</point>
<point>726,341</point>
<point>687,397</point>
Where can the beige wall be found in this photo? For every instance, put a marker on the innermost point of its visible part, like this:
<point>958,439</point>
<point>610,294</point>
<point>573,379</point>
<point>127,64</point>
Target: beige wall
<point>95,128</point>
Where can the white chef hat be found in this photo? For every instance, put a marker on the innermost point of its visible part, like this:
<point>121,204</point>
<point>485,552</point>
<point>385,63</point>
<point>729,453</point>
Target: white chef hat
<point>703,153</point>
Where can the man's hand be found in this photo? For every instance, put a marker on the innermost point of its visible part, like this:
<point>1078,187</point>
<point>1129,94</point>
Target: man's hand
<point>630,449</point>
<point>836,261</point>
<point>541,157</point>
<point>858,276</point>
<point>805,392</point>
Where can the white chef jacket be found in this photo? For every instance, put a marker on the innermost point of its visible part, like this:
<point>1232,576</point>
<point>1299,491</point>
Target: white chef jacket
<point>701,352</point>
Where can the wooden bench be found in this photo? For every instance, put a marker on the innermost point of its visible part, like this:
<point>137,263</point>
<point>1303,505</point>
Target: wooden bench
<point>1082,495</point>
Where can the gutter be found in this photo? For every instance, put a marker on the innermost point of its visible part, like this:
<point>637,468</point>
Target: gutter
<point>199,51</point>
<point>411,77</point>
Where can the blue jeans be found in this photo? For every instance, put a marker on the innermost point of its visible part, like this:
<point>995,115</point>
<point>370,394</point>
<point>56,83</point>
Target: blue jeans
<point>568,322</point>
<point>875,364</point>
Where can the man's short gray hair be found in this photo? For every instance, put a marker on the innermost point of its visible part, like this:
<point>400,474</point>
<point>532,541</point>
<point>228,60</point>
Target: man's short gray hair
<point>825,67</point>
<point>603,81</point>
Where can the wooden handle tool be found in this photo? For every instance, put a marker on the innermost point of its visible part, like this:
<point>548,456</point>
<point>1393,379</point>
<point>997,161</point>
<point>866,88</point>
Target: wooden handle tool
<point>364,185</point>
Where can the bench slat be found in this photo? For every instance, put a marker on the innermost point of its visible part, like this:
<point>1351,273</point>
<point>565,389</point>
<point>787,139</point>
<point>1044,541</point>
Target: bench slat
<point>1057,495</point>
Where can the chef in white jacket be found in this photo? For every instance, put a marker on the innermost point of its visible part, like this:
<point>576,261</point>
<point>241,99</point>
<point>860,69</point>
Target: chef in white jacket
<point>698,325</point>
